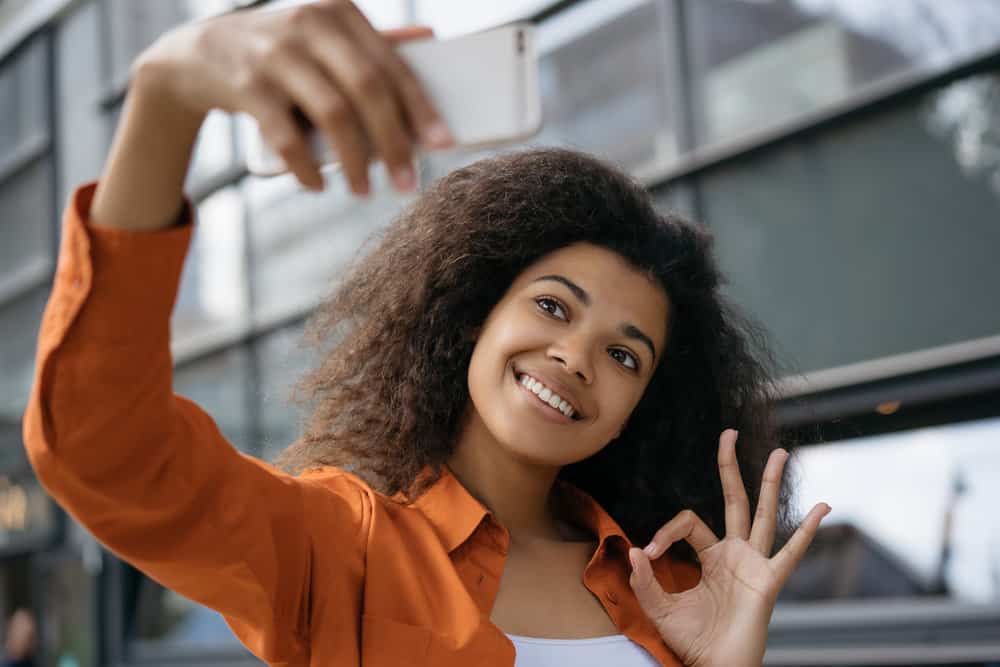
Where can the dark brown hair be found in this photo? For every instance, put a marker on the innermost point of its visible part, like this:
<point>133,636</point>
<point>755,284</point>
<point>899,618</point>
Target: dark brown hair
<point>387,398</point>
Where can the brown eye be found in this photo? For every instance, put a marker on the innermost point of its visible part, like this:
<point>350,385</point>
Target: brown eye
<point>551,306</point>
<point>624,356</point>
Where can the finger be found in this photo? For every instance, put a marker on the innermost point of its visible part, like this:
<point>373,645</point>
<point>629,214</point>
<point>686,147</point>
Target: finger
<point>652,598</point>
<point>272,110</point>
<point>327,110</point>
<point>367,87</point>
<point>407,33</point>
<point>786,560</point>
<point>766,518</point>
<point>686,526</point>
<point>733,490</point>
<point>421,114</point>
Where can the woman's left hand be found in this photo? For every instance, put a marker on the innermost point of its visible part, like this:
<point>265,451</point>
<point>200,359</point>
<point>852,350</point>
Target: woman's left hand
<point>724,619</point>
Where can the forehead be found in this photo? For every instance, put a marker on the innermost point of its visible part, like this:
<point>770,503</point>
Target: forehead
<point>615,286</point>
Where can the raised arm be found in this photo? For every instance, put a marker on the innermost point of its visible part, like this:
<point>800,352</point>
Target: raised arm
<point>146,471</point>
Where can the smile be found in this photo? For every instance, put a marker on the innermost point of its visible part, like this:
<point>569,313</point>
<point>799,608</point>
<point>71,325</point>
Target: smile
<point>546,397</point>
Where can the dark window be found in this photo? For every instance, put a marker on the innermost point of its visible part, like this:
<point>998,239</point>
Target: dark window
<point>605,83</point>
<point>221,384</point>
<point>26,227</point>
<point>19,322</point>
<point>24,103</point>
<point>874,238</point>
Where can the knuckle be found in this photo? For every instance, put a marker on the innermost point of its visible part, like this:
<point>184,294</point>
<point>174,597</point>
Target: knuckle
<point>368,81</point>
<point>277,46</point>
<point>303,15</point>
<point>333,111</point>
<point>249,81</point>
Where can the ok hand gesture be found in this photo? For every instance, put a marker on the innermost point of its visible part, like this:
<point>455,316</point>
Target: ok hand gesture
<point>723,620</point>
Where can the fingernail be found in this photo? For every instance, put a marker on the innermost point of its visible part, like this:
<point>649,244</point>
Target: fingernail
<point>437,135</point>
<point>404,178</point>
<point>650,549</point>
<point>631,559</point>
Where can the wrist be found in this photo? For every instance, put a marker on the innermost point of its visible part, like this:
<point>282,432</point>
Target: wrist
<point>158,74</point>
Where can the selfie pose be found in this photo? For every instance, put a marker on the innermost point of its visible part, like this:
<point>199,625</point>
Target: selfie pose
<point>538,433</point>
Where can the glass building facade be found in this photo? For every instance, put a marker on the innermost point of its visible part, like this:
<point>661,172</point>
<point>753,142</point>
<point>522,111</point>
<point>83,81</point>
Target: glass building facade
<point>846,156</point>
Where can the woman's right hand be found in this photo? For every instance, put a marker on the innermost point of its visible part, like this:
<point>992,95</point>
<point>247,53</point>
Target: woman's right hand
<point>323,60</point>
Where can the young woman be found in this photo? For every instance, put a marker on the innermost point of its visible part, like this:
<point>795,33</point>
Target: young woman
<point>523,447</point>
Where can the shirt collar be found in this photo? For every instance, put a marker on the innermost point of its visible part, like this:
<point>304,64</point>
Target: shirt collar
<point>455,513</point>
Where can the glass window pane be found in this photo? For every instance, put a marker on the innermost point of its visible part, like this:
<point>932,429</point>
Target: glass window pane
<point>605,84</point>
<point>161,615</point>
<point>873,238</point>
<point>220,384</point>
<point>281,361</point>
<point>914,514</point>
<point>300,241</point>
<point>215,150</point>
<point>81,127</point>
<point>212,304</point>
<point>135,25</point>
<point>19,322</point>
<point>24,109</point>
<point>756,64</point>
<point>679,198</point>
<point>69,597</point>
<point>27,223</point>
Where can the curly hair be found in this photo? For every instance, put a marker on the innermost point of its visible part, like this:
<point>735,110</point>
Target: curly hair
<point>387,398</point>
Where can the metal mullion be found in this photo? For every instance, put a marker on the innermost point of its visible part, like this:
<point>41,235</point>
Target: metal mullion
<point>54,152</point>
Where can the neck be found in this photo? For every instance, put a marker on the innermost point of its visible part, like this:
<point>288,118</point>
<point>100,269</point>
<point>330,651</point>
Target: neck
<point>518,492</point>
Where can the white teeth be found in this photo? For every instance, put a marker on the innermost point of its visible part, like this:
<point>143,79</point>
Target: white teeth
<point>547,395</point>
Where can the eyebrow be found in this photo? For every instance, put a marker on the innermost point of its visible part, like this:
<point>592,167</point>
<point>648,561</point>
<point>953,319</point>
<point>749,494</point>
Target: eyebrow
<point>628,330</point>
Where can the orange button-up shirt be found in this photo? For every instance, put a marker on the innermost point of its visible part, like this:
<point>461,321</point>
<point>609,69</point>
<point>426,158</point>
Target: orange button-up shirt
<point>316,569</point>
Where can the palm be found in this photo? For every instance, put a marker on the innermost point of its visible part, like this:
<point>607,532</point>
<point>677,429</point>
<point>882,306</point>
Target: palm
<point>723,620</point>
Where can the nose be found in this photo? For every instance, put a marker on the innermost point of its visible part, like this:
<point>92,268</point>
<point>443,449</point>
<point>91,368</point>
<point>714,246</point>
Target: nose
<point>572,353</point>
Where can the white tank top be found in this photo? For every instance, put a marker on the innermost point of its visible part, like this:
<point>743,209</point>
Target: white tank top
<point>616,650</point>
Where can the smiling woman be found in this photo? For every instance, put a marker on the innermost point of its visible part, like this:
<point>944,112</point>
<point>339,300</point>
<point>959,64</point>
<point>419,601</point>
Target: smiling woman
<point>551,263</point>
<point>523,414</point>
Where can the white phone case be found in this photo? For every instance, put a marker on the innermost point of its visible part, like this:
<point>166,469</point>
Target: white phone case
<point>485,85</point>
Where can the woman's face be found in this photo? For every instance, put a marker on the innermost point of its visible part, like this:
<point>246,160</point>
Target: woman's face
<point>590,329</point>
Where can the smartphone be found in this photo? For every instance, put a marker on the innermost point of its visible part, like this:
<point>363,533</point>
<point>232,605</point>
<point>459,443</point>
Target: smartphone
<point>485,85</point>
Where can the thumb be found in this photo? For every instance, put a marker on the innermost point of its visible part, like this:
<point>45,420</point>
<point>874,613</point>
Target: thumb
<point>408,33</point>
<point>647,589</point>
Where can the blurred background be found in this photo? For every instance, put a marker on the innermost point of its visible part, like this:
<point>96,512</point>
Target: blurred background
<point>845,153</point>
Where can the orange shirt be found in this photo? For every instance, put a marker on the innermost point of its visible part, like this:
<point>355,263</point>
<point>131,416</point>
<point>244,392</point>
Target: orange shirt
<point>318,569</point>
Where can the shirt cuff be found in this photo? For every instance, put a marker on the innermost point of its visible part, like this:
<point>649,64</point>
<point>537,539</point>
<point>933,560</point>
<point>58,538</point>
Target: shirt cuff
<point>114,285</point>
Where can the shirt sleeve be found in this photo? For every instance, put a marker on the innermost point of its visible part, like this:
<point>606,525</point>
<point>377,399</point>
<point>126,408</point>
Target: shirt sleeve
<point>148,472</point>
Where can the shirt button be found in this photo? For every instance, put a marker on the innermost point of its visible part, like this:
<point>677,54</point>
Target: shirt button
<point>612,597</point>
